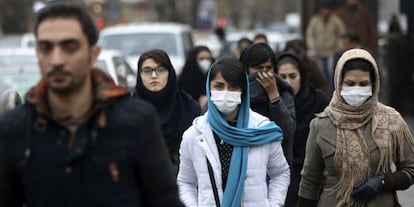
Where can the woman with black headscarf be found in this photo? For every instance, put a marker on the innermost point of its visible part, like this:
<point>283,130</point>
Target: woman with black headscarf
<point>157,84</point>
<point>193,77</point>
<point>308,102</point>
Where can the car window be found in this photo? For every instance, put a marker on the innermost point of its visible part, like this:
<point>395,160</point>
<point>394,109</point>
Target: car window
<point>135,44</point>
<point>17,59</point>
<point>10,41</point>
<point>21,82</point>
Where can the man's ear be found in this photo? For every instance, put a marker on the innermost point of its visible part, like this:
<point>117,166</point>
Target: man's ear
<point>95,51</point>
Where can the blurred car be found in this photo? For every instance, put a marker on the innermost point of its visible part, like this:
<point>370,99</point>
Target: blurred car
<point>19,78</point>
<point>17,40</point>
<point>134,39</point>
<point>18,69</point>
<point>277,39</point>
<point>17,56</point>
<point>112,62</point>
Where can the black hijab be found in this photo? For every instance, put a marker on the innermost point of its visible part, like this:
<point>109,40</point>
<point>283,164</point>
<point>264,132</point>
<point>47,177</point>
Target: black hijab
<point>192,79</point>
<point>176,109</point>
<point>308,102</point>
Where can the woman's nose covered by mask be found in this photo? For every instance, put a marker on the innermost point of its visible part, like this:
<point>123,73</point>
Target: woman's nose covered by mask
<point>356,95</point>
<point>226,101</point>
<point>204,65</point>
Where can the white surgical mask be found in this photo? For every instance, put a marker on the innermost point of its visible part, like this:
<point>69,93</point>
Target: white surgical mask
<point>356,95</point>
<point>226,101</point>
<point>204,65</point>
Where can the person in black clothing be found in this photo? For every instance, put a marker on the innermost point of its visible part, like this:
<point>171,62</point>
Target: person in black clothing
<point>157,84</point>
<point>270,95</point>
<point>79,139</point>
<point>193,77</point>
<point>308,102</point>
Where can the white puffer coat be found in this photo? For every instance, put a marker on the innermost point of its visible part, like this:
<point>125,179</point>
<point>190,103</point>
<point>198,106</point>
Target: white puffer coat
<point>193,177</point>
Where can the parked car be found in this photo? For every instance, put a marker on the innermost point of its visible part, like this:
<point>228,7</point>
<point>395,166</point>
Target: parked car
<point>134,39</point>
<point>19,78</point>
<point>17,56</point>
<point>18,69</point>
<point>112,62</point>
<point>17,40</point>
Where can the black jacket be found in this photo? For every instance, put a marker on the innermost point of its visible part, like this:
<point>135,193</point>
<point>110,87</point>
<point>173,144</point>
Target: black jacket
<point>117,158</point>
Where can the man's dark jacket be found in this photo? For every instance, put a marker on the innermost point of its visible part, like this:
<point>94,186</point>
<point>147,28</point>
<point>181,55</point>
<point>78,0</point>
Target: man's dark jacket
<point>116,158</point>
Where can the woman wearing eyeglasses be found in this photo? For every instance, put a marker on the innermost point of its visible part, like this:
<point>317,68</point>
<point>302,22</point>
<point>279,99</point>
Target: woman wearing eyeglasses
<point>157,84</point>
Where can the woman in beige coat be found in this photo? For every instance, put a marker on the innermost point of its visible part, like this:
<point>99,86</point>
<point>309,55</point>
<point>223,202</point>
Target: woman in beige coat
<point>354,143</point>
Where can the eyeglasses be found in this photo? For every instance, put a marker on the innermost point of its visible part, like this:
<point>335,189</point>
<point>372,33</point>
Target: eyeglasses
<point>158,70</point>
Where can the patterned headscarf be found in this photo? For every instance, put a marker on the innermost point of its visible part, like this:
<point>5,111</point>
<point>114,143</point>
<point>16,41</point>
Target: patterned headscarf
<point>389,132</point>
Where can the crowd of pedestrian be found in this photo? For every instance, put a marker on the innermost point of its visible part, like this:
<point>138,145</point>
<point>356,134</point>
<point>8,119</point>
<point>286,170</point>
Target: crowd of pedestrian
<point>253,127</point>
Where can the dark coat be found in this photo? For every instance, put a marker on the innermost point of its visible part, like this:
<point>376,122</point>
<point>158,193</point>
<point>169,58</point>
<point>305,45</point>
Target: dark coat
<point>117,157</point>
<point>281,112</point>
<point>308,101</point>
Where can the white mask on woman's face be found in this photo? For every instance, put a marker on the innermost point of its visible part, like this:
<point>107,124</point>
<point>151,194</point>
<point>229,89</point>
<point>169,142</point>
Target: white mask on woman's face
<point>356,95</point>
<point>226,101</point>
<point>204,65</point>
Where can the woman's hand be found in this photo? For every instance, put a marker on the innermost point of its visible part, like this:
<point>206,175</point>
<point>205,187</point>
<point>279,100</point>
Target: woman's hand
<point>268,81</point>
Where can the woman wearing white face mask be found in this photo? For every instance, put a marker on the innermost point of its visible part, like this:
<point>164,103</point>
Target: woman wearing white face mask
<point>193,77</point>
<point>355,141</point>
<point>227,154</point>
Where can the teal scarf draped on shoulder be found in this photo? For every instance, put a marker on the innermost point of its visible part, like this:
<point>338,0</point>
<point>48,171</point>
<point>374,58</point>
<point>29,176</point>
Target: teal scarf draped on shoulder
<point>241,137</point>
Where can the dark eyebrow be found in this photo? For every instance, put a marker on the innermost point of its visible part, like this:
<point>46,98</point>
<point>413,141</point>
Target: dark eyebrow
<point>219,83</point>
<point>65,41</point>
<point>69,41</point>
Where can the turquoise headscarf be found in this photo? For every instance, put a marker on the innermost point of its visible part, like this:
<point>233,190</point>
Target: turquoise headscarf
<point>241,138</point>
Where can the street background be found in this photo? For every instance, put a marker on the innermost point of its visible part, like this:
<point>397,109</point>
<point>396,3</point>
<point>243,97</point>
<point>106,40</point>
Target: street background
<point>407,197</point>
<point>16,17</point>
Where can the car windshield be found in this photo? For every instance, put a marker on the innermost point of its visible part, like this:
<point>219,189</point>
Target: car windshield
<point>136,44</point>
<point>17,59</point>
<point>10,41</point>
<point>21,82</point>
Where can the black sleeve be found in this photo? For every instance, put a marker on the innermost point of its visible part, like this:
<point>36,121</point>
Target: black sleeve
<point>303,202</point>
<point>396,181</point>
<point>11,189</point>
<point>154,168</point>
<point>283,114</point>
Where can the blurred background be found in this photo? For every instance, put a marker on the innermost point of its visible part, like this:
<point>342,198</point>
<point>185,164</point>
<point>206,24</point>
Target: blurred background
<point>286,18</point>
<point>280,20</point>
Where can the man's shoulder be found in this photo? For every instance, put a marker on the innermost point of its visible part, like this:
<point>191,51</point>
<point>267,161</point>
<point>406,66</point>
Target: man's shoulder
<point>15,114</point>
<point>130,102</point>
<point>125,107</point>
<point>15,120</point>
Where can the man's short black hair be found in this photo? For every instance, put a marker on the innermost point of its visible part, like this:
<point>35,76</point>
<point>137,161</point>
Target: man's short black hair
<point>67,9</point>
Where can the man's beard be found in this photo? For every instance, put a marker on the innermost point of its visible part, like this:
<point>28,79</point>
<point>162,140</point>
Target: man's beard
<point>73,86</point>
